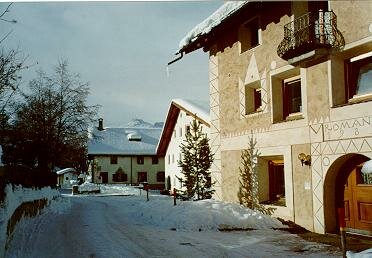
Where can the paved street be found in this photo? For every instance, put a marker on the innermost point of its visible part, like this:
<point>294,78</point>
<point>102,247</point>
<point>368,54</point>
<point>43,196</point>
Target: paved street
<point>103,227</point>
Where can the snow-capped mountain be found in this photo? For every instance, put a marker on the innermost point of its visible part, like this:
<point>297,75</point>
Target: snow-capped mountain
<point>137,122</point>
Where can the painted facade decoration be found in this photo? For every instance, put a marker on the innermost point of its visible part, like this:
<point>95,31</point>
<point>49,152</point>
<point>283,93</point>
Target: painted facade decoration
<point>126,155</point>
<point>310,98</point>
<point>180,114</point>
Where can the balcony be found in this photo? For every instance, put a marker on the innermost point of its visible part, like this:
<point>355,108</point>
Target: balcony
<point>311,35</point>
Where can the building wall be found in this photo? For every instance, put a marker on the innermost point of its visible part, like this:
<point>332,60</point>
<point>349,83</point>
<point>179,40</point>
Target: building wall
<point>130,167</point>
<point>173,154</point>
<point>322,94</point>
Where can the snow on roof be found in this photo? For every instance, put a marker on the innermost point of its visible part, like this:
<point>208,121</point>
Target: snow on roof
<point>115,141</point>
<point>65,170</point>
<point>211,22</point>
<point>196,107</point>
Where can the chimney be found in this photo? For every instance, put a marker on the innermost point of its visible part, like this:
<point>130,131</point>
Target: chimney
<point>100,124</point>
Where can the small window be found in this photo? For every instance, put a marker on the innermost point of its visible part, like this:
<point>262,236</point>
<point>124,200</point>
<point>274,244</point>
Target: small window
<point>142,177</point>
<point>160,176</point>
<point>358,77</point>
<point>168,158</point>
<point>363,179</point>
<point>140,160</point>
<point>253,102</point>
<point>155,160</point>
<point>292,102</point>
<point>113,159</point>
<point>174,133</point>
<point>172,158</point>
<point>66,177</point>
<point>180,131</point>
<point>249,35</point>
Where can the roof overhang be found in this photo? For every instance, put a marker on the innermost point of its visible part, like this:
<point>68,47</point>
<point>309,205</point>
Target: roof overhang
<point>202,34</point>
<point>174,109</point>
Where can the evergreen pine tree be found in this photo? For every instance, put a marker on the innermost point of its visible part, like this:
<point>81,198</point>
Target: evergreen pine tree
<point>248,190</point>
<point>195,164</point>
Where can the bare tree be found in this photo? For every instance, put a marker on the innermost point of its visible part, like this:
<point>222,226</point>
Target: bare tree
<point>54,119</point>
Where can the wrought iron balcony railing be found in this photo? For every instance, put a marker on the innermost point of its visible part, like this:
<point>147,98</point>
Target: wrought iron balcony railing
<point>313,30</point>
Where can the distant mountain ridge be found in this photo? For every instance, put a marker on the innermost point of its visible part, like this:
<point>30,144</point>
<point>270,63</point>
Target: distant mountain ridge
<point>140,123</point>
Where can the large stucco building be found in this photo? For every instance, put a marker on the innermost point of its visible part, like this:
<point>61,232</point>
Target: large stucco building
<point>180,114</point>
<point>126,155</point>
<point>296,76</point>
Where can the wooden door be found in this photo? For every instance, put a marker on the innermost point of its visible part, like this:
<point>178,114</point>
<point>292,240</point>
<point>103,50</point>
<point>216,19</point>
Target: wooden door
<point>358,201</point>
<point>104,176</point>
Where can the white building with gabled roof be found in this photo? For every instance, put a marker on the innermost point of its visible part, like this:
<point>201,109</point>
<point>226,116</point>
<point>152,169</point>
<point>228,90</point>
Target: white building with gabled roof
<point>126,155</point>
<point>180,114</point>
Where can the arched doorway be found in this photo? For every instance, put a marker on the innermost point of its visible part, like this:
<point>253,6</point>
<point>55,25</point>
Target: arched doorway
<point>345,186</point>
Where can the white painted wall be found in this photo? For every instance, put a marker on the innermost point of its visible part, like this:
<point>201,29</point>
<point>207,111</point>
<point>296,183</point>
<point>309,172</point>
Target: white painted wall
<point>173,153</point>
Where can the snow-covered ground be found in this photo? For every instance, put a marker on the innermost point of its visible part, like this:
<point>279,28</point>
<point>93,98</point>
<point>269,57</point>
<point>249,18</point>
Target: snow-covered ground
<point>129,226</point>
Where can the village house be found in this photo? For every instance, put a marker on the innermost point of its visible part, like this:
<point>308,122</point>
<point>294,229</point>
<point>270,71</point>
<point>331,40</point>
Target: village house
<point>66,177</point>
<point>296,76</point>
<point>126,155</point>
<point>180,114</point>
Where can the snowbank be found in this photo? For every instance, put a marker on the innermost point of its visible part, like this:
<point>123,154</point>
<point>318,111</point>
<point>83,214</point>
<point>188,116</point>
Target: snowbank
<point>364,254</point>
<point>14,198</point>
<point>199,215</point>
<point>108,189</point>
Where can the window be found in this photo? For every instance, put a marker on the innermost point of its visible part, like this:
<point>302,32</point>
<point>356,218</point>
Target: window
<point>174,133</point>
<point>362,178</point>
<point>113,160</point>
<point>168,158</point>
<point>160,176</point>
<point>155,160</point>
<point>140,160</point>
<point>249,35</point>
<point>142,177</point>
<point>286,95</point>
<point>180,131</point>
<point>275,193</point>
<point>292,102</point>
<point>253,101</point>
<point>358,77</point>
<point>172,158</point>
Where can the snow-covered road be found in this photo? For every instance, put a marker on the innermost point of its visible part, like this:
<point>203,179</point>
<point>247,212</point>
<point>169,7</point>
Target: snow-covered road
<point>108,227</point>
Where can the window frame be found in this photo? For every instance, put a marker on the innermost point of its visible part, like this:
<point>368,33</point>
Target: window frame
<point>113,159</point>
<point>155,160</point>
<point>252,100</point>
<point>244,31</point>
<point>352,67</point>
<point>158,175</point>
<point>140,160</point>
<point>141,173</point>
<point>287,114</point>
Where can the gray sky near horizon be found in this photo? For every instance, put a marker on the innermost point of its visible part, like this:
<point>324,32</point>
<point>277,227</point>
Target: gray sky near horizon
<point>120,48</point>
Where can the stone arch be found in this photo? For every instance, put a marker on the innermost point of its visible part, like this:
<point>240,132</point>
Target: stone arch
<point>333,187</point>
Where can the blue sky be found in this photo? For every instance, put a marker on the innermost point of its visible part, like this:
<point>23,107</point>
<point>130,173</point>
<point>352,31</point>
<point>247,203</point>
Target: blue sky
<point>120,48</point>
